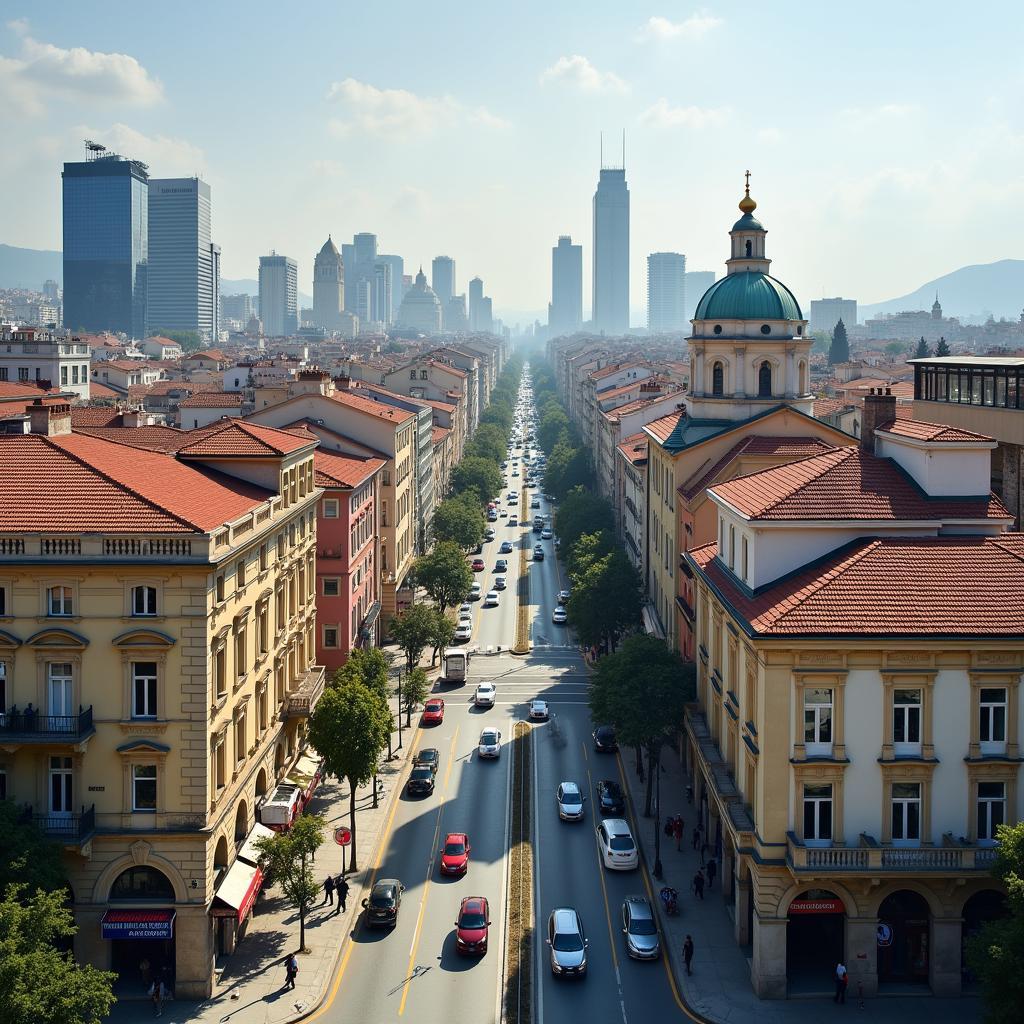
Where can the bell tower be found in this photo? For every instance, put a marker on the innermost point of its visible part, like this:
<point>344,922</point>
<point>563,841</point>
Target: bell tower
<point>747,236</point>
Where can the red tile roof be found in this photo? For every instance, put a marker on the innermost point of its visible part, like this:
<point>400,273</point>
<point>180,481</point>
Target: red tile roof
<point>662,428</point>
<point>440,434</point>
<point>127,365</point>
<point>212,400</point>
<point>153,438</point>
<point>923,431</point>
<point>634,448</point>
<point>333,469</point>
<point>243,438</point>
<point>367,405</point>
<point>846,484</point>
<point>12,391</point>
<point>607,371</point>
<point>645,399</point>
<point>98,390</point>
<point>827,406</point>
<point>94,416</point>
<point>957,586</point>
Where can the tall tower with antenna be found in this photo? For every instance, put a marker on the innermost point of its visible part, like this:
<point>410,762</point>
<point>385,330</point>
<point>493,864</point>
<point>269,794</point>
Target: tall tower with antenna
<point>611,248</point>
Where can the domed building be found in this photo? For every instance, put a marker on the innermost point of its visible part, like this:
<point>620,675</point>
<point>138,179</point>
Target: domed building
<point>421,308</point>
<point>328,287</point>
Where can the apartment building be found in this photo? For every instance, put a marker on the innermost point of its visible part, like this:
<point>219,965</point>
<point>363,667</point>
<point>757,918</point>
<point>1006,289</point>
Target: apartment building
<point>157,671</point>
<point>31,354</point>
<point>437,381</point>
<point>476,384</point>
<point>631,500</point>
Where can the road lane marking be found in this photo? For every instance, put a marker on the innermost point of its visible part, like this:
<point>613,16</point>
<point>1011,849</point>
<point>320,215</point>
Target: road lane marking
<point>604,890</point>
<point>504,884</point>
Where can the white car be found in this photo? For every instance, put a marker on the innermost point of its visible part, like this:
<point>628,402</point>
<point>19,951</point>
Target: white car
<point>474,592</point>
<point>559,616</point>
<point>463,632</point>
<point>563,596</point>
<point>570,802</point>
<point>499,583</point>
<point>545,534</point>
<point>535,503</point>
<point>618,849</point>
<point>490,743</point>
<point>465,609</point>
<point>513,520</point>
<point>484,696</point>
<point>539,710</point>
<point>502,513</point>
<point>491,600</point>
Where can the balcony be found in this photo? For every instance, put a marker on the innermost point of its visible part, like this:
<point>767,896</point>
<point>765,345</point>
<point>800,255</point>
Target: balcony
<point>73,830</point>
<point>869,856</point>
<point>302,699</point>
<point>19,727</point>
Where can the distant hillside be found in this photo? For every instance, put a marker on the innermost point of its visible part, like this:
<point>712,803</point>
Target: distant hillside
<point>29,268</point>
<point>996,288</point>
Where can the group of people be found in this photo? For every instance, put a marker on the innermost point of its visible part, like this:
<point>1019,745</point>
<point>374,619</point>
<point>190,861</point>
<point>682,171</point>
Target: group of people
<point>336,884</point>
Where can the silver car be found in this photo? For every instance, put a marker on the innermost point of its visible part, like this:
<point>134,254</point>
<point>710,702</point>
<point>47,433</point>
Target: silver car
<point>567,943</point>
<point>570,802</point>
<point>640,930</point>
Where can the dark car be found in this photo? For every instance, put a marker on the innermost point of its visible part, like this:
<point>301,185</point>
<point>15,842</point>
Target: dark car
<point>421,781</point>
<point>472,925</point>
<point>428,757</point>
<point>384,902</point>
<point>609,797</point>
<point>538,554</point>
<point>604,740</point>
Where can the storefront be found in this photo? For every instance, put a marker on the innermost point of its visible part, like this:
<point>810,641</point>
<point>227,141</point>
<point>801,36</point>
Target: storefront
<point>142,944</point>
<point>903,937</point>
<point>233,903</point>
<point>815,938</point>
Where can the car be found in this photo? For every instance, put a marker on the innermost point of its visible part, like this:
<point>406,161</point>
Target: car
<point>513,520</point>
<point>455,854</point>
<point>490,743</point>
<point>502,513</point>
<point>570,801</point>
<point>506,547</point>
<point>492,515</point>
<point>465,617</point>
<point>539,710</point>
<point>563,596</point>
<point>421,782</point>
<point>491,600</point>
<point>471,926</point>
<point>604,740</point>
<point>639,928</point>
<point>501,565</point>
<point>474,592</point>
<point>545,534</point>
<point>489,532</point>
<point>504,465</point>
<point>478,565</point>
<point>484,695</point>
<point>465,609</point>
<point>609,797</point>
<point>618,848</point>
<point>535,503</point>
<point>567,943</point>
<point>463,632</point>
<point>559,615</point>
<point>433,712</point>
<point>538,553</point>
<point>383,903</point>
<point>478,549</point>
<point>515,471</point>
<point>499,582</point>
<point>428,757</point>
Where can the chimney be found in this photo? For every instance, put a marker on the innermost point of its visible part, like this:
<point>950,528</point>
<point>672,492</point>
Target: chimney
<point>879,408</point>
<point>52,420</point>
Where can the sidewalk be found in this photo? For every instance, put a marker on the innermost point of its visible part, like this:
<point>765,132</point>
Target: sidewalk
<point>719,989</point>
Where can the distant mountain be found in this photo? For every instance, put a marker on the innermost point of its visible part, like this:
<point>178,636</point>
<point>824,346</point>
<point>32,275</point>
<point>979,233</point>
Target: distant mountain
<point>29,268</point>
<point>996,288</point>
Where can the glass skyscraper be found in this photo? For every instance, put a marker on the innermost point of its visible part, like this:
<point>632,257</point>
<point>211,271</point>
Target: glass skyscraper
<point>611,252</point>
<point>106,240</point>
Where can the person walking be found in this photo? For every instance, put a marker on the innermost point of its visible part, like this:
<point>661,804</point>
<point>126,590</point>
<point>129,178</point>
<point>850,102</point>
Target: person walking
<point>698,885</point>
<point>328,890</point>
<point>842,978</point>
<point>342,886</point>
<point>688,954</point>
<point>157,992</point>
<point>696,837</point>
<point>678,830</point>
<point>291,970</point>
<point>712,871</point>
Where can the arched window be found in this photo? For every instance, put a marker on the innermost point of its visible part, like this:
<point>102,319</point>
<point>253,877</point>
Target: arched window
<point>764,380</point>
<point>750,247</point>
<point>220,854</point>
<point>241,823</point>
<point>717,380</point>
<point>142,883</point>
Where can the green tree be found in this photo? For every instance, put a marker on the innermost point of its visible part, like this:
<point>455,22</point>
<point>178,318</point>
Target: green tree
<point>415,689</point>
<point>942,349</point>
<point>480,475</point>
<point>26,855</point>
<point>441,635</point>
<point>289,857</point>
<point>552,424</point>
<point>590,548</point>
<point>190,341</point>
<point>498,414</point>
<point>460,519</point>
<point>489,442</point>
<point>413,631</point>
<point>350,727</point>
<point>997,952</point>
<point>839,351</point>
<point>822,341</point>
<point>39,982</point>
<point>896,348</point>
<point>567,467</point>
<point>367,665</point>
<point>922,351</point>
<point>445,574</point>
<point>580,512</point>
<point>606,601</point>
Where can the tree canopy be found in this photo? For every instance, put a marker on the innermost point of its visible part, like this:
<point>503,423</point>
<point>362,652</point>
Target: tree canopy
<point>553,423</point>
<point>367,665</point>
<point>942,349</point>
<point>588,549</point>
<point>460,519</point>
<point>922,351</point>
<point>414,631</point>
<point>606,601</point>
<point>580,512</point>
<point>26,855</point>
<point>481,475</point>
<point>445,574</point>
<point>415,689</point>
<point>567,467</point>
<point>839,351</point>
<point>489,442</point>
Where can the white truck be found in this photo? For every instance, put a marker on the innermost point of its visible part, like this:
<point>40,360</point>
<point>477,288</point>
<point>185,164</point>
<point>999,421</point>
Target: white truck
<point>455,666</point>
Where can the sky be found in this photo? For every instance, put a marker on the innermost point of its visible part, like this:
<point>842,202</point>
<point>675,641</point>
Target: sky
<point>885,140</point>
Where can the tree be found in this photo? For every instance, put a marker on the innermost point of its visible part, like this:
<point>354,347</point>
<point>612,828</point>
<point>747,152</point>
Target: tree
<point>26,855</point>
<point>414,691</point>
<point>606,601</point>
<point>413,631</point>
<point>350,727</point>
<point>896,348</point>
<point>567,467</point>
<point>441,635</point>
<point>552,423</point>
<point>460,519</point>
<point>445,574</point>
<point>997,952</point>
<point>489,442</point>
<point>580,512</point>
<point>368,665</point>
<point>190,341</point>
<point>40,982</point>
<point>498,414</point>
<point>289,857</point>
<point>839,352</point>
<point>922,351</point>
<point>480,475</point>
<point>942,349</point>
<point>590,548</point>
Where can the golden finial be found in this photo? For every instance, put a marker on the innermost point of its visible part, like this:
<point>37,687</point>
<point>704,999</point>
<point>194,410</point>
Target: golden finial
<point>747,205</point>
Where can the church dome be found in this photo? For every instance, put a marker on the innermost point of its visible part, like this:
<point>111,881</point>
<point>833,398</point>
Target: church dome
<point>748,222</point>
<point>748,295</point>
<point>420,308</point>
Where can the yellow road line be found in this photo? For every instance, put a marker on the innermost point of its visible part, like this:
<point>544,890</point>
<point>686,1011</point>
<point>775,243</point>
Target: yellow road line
<point>604,889</point>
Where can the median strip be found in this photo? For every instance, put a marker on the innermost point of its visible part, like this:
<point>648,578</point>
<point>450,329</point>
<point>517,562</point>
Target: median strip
<point>518,1002</point>
<point>522,644</point>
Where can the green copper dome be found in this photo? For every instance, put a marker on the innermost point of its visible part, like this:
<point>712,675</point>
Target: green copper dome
<point>748,295</point>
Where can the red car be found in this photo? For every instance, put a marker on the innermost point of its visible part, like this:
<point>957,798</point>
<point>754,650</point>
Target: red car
<point>455,854</point>
<point>471,927</point>
<point>478,565</point>
<point>433,712</point>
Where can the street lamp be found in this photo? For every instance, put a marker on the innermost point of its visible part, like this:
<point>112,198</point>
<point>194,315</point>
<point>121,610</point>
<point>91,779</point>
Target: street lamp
<point>399,709</point>
<point>657,817</point>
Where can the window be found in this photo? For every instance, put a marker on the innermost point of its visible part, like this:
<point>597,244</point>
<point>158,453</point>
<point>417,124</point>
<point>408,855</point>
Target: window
<point>144,689</point>
<point>263,627</point>
<point>3,601</point>
<point>749,247</point>
<point>412,375</point>
<point>142,884</point>
<point>332,586</point>
<point>59,601</point>
<point>993,720</point>
<point>818,722</point>
<point>64,375</point>
<point>766,329</point>
<point>991,809</point>
<point>744,558</point>
<point>330,508</point>
<point>240,574</point>
<point>385,477</point>
<point>280,546</point>
<point>74,374</point>
<point>220,763</point>
<point>23,373</point>
<point>143,600</point>
<point>264,558</point>
<point>764,380</point>
<point>906,813</point>
<point>817,812</point>
<point>144,787</point>
<point>261,707</point>
<point>220,587</point>
<point>423,374</point>
<point>330,636</point>
<point>906,722</point>
<point>717,378</point>
<point>241,650</point>
<point>240,737</point>
<point>220,670</point>
<point>732,546</point>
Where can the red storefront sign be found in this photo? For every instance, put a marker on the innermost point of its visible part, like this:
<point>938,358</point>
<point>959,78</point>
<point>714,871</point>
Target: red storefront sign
<point>825,906</point>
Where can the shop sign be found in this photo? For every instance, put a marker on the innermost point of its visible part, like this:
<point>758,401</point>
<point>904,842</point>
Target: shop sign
<point>884,933</point>
<point>138,924</point>
<point>825,906</point>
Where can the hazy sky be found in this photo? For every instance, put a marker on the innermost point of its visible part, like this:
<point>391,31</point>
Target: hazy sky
<point>886,140</point>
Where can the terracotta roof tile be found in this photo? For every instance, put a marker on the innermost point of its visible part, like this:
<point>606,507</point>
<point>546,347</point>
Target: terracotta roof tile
<point>924,431</point>
<point>643,400</point>
<point>332,469</point>
<point>98,390</point>
<point>607,371</point>
<point>243,438</point>
<point>153,438</point>
<point>94,416</point>
<point>11,391</point>
<point>663,428</point>
<point>367,405</point>
<point>634,447</point>
<point>212,400</point>
<point>440,434</point>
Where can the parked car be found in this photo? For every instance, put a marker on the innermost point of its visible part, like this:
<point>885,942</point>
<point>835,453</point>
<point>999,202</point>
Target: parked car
<point>471,926</point>
<point>567,943</point>
<point>506,548</point>
<point>545,534</point>
<point>490,743</point>
<point>421,782</point>
<point>455,854</point>
<point>463,632</point>
<point>640,930</point>
<point>383,903</point>
<point>609,797</point>
<point>538,553</point>
<point>513,520</point>
<point>604,740</point>
<point>563,596</point>
<point>570,801</point>
<point>478,565</point>
<point>618,848</point>
<point>535,503</point>
<point>484,696</point>
<point>474,592</point>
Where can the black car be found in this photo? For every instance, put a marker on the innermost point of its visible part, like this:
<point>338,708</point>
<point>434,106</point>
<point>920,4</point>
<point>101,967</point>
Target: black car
<point>428,757</point>
<point>604,740</point>
<point>421,781</point>
<point>609,797</point>
<point>384,902</point>
<point>538,554</point>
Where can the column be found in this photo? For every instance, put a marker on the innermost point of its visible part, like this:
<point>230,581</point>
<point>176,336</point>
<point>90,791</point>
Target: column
<point>791,383</point>
<point>697,385</point>
<point>861,956</point>
<point>768,967</point>
<point>741,921</point>
<point>740,386</point>
<point>944,958</point>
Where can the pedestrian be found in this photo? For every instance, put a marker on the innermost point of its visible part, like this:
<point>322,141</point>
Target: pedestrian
<point>712,871</point>
<point>696,838</point>
<point>688,954</point>
<point>342,886</point>
<point>678,830</point>
<point>157,992</point>
<point>842,978</point>
<point>698,885</point>
<point>328,890</point>
<point>291,970</point>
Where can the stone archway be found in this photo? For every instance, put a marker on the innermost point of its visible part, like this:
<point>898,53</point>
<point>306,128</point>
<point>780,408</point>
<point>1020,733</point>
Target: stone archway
<point>241,822</point>
<point>220,854</point>
<point>261,783</point>
<point>904,939</point>
<point>815,938</point>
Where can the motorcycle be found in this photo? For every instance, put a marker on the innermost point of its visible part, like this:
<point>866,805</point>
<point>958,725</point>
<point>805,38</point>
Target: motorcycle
<point>670,898</point>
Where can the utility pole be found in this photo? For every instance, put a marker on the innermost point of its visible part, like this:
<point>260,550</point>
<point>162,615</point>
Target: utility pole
<point>657,817</point>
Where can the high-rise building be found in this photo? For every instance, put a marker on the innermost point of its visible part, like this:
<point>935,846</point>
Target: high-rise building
<point>180,276</point>
<point>215,277</point>
<point>454,314</point>
<point>106,243</point>
<point>279,295</point>
<point>566,310</point>
<point>381,306</point>
<point>485,320</point>
<point>666,292</point>
<point>826,313</point>
<point>476,298</point>
<point>442,278</point>
<point>397,265</point>
<point>365,247</point>
<point>420,309</point>
<point>236,307</point>
<point>328,287</point>
<point>695,284</point>
<point>52,290</point>
<point>611,252</point>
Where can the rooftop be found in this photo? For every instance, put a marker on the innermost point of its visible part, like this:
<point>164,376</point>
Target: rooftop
<point>634,448</point>
<point>234,438</point>
<point>923,431</point>
<point>212,400</point>
<point>332,469</point>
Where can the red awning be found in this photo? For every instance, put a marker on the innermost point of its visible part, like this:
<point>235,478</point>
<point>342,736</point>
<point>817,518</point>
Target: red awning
<point>238,891</point>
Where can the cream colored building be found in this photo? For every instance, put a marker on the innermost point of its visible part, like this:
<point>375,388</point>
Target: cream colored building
<point>156,671</point>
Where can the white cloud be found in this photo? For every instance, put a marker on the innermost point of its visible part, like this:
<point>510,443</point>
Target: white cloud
<point>578,72</point>
<point>696,26</point>
<point>167,157</point>
<point>663,115</point>
<point>19,26</point>
<point>400,112</point>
